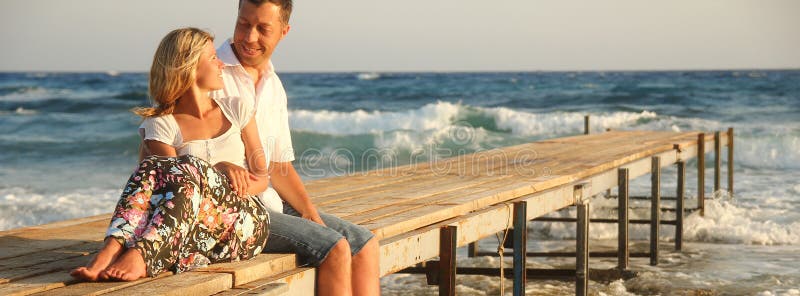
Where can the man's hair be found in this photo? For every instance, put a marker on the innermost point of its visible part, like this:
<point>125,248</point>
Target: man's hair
<point>285,5</point>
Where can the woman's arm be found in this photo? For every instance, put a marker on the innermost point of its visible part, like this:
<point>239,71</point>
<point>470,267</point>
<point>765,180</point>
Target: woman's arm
<point>153,147</point>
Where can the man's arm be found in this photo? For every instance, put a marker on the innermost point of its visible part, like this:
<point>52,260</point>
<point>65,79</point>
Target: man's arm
<point>290,188</point>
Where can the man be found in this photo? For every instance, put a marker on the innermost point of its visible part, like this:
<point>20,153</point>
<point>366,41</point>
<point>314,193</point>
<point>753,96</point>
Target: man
<point>347,254</point>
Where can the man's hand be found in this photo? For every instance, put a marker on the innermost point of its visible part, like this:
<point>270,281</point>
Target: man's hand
<point>289,186</point>
<point>239,177</point>
<point>314,217</point>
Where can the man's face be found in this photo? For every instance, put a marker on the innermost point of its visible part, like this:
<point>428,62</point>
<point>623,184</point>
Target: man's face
<point>258,31</point>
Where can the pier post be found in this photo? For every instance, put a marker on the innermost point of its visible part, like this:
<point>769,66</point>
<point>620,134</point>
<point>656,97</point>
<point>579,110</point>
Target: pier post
<point>447,260</point>
<point>679,208</point>
<point>586,125</point>
<point>582,249</point>
<point>472,249</point>
<point>655,208</point>
<point>717,161</point>
<point>701,173</point>
<point>520,246</point>
<point>730,161</point>
<point>623,254</point>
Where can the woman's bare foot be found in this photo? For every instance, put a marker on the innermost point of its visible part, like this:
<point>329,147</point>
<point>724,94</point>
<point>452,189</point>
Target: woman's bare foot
<point>128,267</point>
<point>110,251</point>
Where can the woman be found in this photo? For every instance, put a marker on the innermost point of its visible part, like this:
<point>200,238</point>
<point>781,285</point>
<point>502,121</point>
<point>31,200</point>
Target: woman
<point>178,212</point>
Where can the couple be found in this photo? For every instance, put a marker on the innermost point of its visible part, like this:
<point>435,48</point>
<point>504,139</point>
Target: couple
<point>216,137</point>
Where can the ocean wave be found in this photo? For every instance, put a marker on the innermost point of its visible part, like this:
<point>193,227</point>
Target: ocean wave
<point>428,117</point>
<point>20,207</point>
<point>444,114</point>
<point>563,123</point>
<point>20,111</point>
<point>368,76</point>
<point>725,222</point>
<point>777,151</point>
<point>758,145</point>
<point>28,94</point>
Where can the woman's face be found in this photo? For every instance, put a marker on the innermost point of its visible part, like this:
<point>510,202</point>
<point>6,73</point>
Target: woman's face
<point>209,69</point>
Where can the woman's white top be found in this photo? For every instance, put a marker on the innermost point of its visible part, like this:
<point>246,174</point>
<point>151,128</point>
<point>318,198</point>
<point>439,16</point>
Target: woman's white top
<point>226,147</point>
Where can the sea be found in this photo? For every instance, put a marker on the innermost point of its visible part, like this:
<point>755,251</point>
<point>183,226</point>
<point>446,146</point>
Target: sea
<point>68,142</point>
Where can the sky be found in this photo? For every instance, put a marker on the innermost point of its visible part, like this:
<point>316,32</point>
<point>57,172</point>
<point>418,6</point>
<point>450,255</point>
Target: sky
<point>421,35</point>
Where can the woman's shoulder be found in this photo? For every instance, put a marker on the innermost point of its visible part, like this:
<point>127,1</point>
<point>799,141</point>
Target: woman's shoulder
<point>161,121</point>
<point>162,128</point>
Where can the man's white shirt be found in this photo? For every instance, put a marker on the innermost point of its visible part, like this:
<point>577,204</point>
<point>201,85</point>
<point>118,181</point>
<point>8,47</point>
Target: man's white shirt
<point>271,113</point>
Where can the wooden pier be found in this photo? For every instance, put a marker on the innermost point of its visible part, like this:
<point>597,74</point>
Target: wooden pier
<point>419,212</point>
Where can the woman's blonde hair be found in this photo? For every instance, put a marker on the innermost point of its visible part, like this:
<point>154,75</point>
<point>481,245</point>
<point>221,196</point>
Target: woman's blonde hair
<point>173,69</point>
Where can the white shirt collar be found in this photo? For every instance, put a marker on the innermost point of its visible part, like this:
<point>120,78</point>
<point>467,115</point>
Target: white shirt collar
<point>225,53</point>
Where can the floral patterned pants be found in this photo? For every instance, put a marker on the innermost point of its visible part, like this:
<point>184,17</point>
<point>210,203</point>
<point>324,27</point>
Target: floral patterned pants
<point>180,213</point>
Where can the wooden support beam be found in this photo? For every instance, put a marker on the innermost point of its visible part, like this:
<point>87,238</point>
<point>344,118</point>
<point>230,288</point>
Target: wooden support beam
<point>730,161</point>
<point>717,161</point>
<point>582,250</point>
<point>701,173</point>
<point>679,205</point>
<point>646,197</point>
<point>447,260</point>
<point>655,213</point>
<point>611,254</point>
<point>606,221</point>
<point>472,249</point>
<point>535,273</point>
<point>520,246</point>
<point>622,226</point>
<point>586,129</point>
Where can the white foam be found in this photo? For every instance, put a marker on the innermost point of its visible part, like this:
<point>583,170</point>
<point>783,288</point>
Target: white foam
<point>368,76</point>
<point>20,207</point>
<point>770,151</point>
<point>38,93</point>
<point>725,222</point>
<point>429,117</point>
<point>561,123</point>
<point>441,115</point>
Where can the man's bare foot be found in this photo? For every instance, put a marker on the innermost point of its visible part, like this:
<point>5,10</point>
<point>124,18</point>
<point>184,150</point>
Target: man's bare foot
<point>128,267</point>
<point>110,251</point>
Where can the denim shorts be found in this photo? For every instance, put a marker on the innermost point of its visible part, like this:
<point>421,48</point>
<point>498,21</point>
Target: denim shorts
<point>312,242</point>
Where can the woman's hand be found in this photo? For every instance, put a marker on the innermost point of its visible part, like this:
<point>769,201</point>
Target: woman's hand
<point>239,177</point>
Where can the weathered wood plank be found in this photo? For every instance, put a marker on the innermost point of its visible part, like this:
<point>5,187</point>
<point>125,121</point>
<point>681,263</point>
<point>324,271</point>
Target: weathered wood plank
<point>333,200</point>
<point>37,240</point>
<point>272,289</point>
<point>300,281</point>
<point>410,195</point>
<point>97,288</point>
<point>411,205</point>
<point>187,283</point>
<point>36,284</point>
<point>60,266</point>
<point>79,250</point>
<point>261,266</point>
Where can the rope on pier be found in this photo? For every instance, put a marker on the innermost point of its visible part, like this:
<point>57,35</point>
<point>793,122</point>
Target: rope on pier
<point>501,249</point>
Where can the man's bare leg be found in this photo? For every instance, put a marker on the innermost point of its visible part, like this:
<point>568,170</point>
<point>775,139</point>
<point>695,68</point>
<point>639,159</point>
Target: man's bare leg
<point>334,273</point>
<point>128,267</point>
<point>110,251</point>
<point>366,270</point>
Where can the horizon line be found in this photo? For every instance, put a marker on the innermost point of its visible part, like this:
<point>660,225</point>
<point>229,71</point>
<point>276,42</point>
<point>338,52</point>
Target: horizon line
<point>433,71</point>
